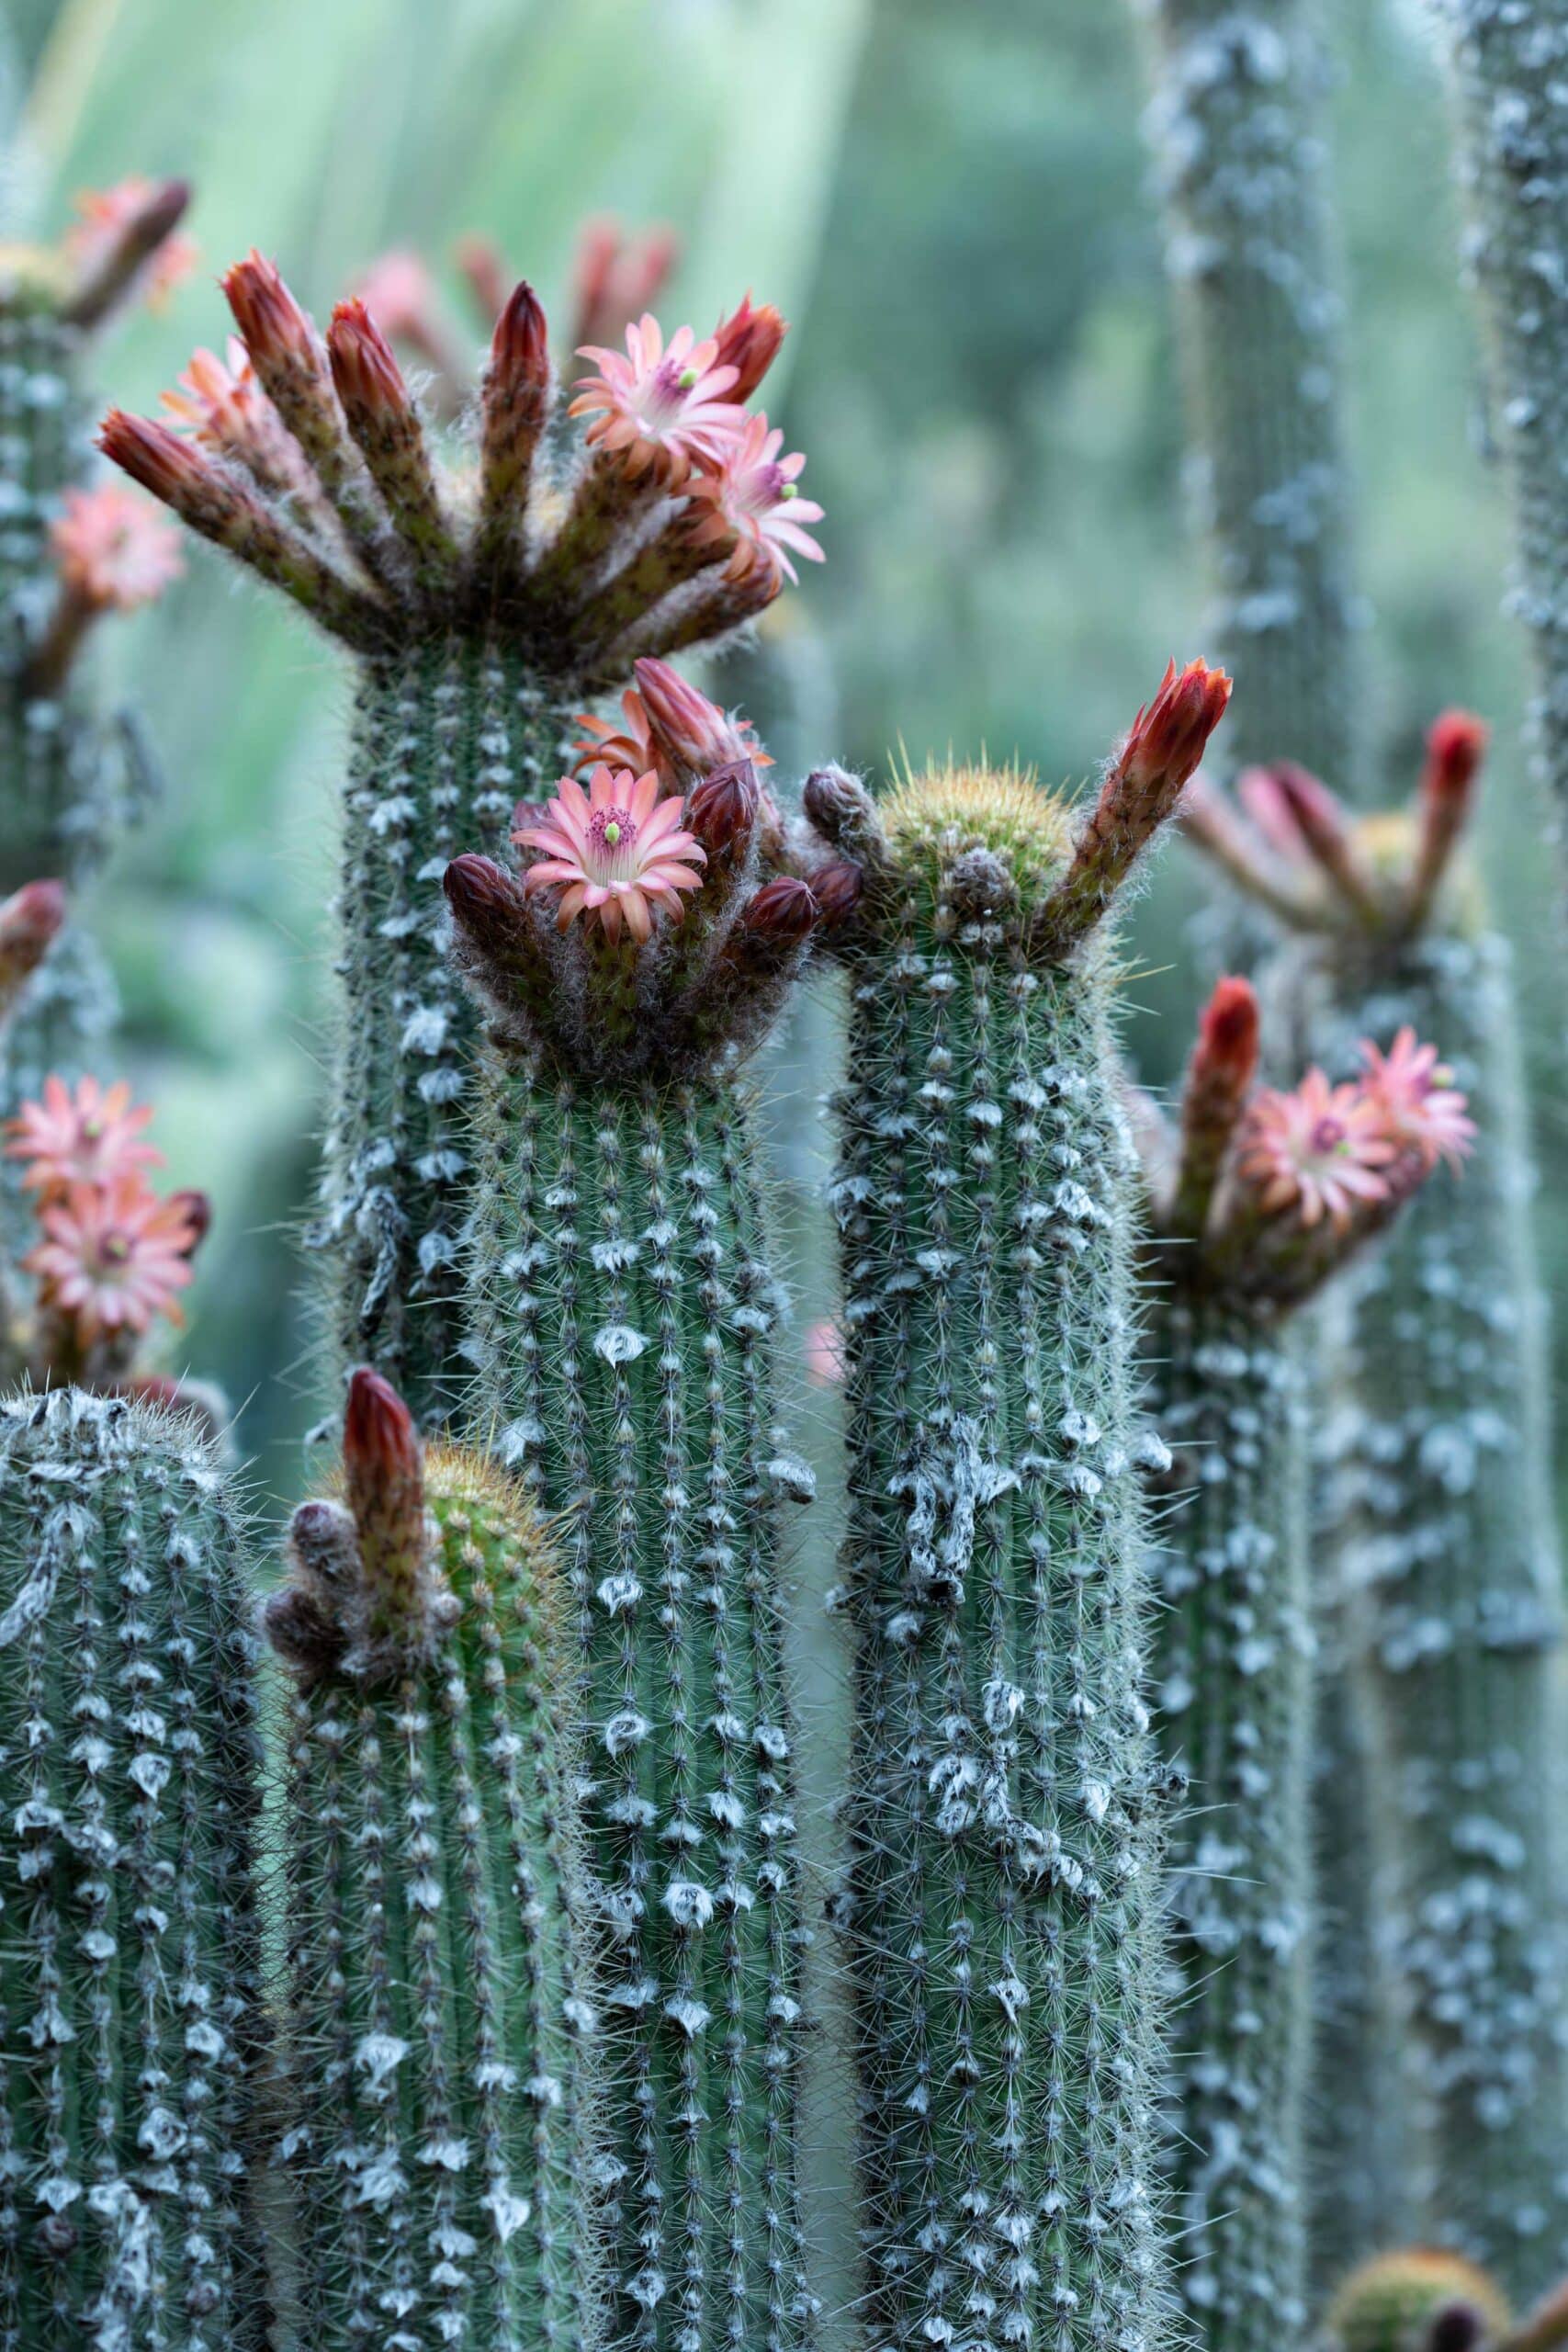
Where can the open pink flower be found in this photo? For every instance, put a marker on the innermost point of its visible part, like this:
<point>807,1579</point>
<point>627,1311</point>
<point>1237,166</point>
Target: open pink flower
<point>105,214</point>
<point>618,848</point>
<point>112,1258</point>
<point>91,1136</point>
<point>751,497</point>
<point>1318,1149</point>
<point>657,408</point>
<point>113,549</point>
<point>1422,1111</point>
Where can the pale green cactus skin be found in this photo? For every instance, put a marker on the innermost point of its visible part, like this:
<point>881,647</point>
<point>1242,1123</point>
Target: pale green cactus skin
<point>441,2021</point>
<point>448,737</point>
<point>1443,1545</point>
<point>129,1951</point>
<point>623,1326</point>
<point>1234,1687</point>
<point>1240,141</point>
<point>1000,1911</point>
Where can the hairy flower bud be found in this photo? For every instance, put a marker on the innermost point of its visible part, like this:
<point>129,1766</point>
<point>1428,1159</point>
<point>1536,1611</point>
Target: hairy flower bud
<point>748,342</point>
<point>838,890</point>
<point>722,810</point>
<point>784,909</point>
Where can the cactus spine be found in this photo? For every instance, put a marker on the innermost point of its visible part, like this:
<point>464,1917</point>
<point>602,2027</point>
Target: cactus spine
<point>440,2025</point>
<point>999,1912</point>
<point>128,1943</point>
<point>1239,136</point>
<point>484,609</point>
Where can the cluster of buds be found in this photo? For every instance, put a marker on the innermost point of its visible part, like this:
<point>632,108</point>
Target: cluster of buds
<point>111,1256</point>
<point>1290,844</point>
<point>659,909</point>
<point>1265,1191</point>
<point>677,515</point>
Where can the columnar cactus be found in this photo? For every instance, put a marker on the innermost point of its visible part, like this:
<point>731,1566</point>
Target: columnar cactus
<point>623,1321</point>
<point>1238,130</point>
<point>1263,1199</point>
<point>68,554</point>
<point>1000,1917</point>
<point>1441,1555</point>
<point>483,606</point>
<point>129,1953</point>
<point>439,2020</point>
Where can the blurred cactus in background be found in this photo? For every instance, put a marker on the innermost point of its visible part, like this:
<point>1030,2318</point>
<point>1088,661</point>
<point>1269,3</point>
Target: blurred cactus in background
<point>483,608</point>
<point>1441,1576</point>
<point>1258,1202</point>
<point>70,552</point>
<point>999,1918</point>
<point>436,2157</point>
<point>130,1952</point>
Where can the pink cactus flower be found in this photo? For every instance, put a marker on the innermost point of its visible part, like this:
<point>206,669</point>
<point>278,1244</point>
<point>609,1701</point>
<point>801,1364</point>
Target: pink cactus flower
<point>1319,1150</point>
<point>619,849</point>
<point>751,497</point>
<point>113,549</point>
<point>112,1258</point>
<point>91,1136</point>
<point>106,214</point>
<point>658,410</point>
<point>823,1346</point>
<point>1421,1109</point>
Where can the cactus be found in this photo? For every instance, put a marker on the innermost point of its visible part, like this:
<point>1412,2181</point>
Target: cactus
<point>129,1953</point>
<point>1000,1916</point>
<point>483,611</point>
<point>623,1323</point>
<point>1408,2301</point>
<point>1263,1201</point>
<point>439,2023</point>
<point>1441,1555</point>
<point>1239,136</point>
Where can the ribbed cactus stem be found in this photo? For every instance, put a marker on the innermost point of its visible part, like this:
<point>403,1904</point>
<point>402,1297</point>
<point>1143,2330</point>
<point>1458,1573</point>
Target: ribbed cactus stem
<point>1444,1546</point>
<point>439,2021</point>
<point>1234,1688</point>
<point>1000,1916</point>
<point>447,739</point>
<point>129,1951</point>
<point>623,1338</point>
<point>1239,135</point>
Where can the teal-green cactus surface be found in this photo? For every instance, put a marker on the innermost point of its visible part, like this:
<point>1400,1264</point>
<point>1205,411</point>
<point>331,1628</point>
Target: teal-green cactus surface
<point>439,2018</point>
<point>129,1951</point>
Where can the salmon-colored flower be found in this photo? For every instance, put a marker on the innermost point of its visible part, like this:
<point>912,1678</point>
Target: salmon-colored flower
<point>657,409</point>
<point>113,549</point>
<point>112,1258</point>
<point>618,848</point>
<point>222,407</point>
<point>1319,1150</point>
<point>1421,1109</point>
<point>750,502</point>
<point>106,215</point>
<point>91,1136</point>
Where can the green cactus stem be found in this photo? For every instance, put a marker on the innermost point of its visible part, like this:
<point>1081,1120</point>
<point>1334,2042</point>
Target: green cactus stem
<point>1240,142</point>
<point>999,1918</point>
<point>440,2023</point>
<point>129,1953</point>
<point>1441,1560</point>
<point>624,1331</point>
<point>1263,1200</point>
<point>484,608</point>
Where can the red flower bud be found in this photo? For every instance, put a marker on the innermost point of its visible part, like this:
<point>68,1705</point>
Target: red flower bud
<point>29,919</point>
<point>158,460</point>
<point>748,342</point>
<point>838,888</point>
<point>520,350</point>
<point>369,381</point>
<point>383,1463</point>
<point>272,326</point>
<point>1456,745</point>
<point>1169,738</point>
<point>783,909</point>
<point>722,810</point>
<point>481,895</point>
<point>1227,1034</point>
<point>196,1209</point>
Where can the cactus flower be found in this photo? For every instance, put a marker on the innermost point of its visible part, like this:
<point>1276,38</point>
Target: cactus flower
<point>112,1258</point>
<point>1317,1149</point>
<point>752,499</point>
<point>618,848</point>
<point>657,408</point>
<point>114,551</point>
<point>1420,1107</point>
<point>89,1136</point>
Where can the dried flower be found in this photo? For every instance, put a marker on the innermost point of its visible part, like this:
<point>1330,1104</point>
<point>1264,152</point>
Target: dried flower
<point>112,1258</point>
<point>1414,1096</point>
<point>113,549</point>
<point>657,410</point>
<point>91,1136</point>
<point>750,502</point>
<point>1319,1150</point>
<point>618,848</point>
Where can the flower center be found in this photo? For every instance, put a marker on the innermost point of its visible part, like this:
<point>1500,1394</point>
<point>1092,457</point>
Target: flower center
<point>116,1248</point>
<point>1329,1134</point>
<point>612,838</point>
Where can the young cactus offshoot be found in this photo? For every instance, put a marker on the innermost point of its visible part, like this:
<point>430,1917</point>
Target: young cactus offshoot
<point>438,2023</point>
<point>624,1314</point>
<point>1257,1201</point>
<point>999,1919</point>
<point>487,589</point>
<point>1442,1597</point>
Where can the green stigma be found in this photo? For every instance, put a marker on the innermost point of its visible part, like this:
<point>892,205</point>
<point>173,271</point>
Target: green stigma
<point>612,832</point>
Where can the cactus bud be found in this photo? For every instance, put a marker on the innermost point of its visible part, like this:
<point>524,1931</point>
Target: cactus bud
<point>1456,746</point>
<point>31,921</point>
<point>195,1210</point>
<point>688,734</point>
<point>384,1476</point>
<point>113,265</point>
<point>365,374</point>
<point>748,342</point>
<point>1219,1079</point>
<point>784,911</point>
<point>722,810</point>
<point>838,890</point>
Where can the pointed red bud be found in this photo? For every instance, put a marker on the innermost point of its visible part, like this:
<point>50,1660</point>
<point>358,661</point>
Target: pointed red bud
<point>1320,819</point>
<point>196,1209</point>
<point>1167,739</point>
<point>748,342</point>
<point>369,381</point>
<point>383,1460</point>
<point>481,895</point>
<point>273,327</point>
<point>783,909</point>
<point>29,919</point>
<point>722,810</point>
<point>136,237</point>
<point>158,460</point>
<point>838,890</point>
<point>690,733</point>
<point>1456,745</point>
<point>520,348</point>
<point>1227,1034</point>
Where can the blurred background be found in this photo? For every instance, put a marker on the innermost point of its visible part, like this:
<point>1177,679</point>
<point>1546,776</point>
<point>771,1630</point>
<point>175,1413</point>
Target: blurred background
<point>951,200</point>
